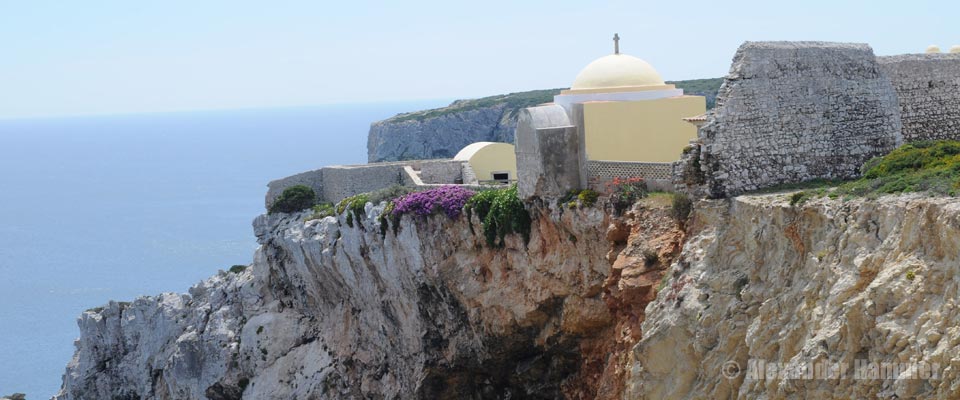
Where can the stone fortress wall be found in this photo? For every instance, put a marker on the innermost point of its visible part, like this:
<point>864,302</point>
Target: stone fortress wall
<point>928,88</point>
<point>791,112</point>
<point>334,183</point>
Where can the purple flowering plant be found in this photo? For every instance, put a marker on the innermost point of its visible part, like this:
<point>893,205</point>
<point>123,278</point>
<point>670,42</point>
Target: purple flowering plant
<point>448,199</point>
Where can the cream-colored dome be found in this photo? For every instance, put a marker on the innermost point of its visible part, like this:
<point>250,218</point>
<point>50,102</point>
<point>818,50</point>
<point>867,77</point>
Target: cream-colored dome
<point>617,70</point>
<point>955,49</point>
<point>931,49</point>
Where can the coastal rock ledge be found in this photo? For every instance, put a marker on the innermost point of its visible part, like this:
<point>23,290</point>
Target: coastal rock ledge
<point>427,310</point>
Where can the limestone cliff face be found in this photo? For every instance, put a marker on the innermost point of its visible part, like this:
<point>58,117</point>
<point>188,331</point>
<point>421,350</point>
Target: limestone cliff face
<point>580,312</point>
<point>441,134</point>
<point>830,281</point>
<point>333,311</point>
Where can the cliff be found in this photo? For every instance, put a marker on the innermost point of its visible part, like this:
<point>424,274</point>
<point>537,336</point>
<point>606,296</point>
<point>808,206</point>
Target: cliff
<point>442,132</point>
<point>333,311</point>
<point>429,311</point>
<point>832,282</point>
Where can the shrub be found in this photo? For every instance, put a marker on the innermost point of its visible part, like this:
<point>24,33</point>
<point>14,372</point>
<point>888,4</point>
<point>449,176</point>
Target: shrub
<point>579,198</point>
<point>932,166</point>
<point>588,197</point>
<point>624,192</point>
<point>293,199</point>
<point>502,213</point>
<point>680,208</point>
<point>354,206</point>
<point>321,211</point>
<point>387,218</point>
<point>236,269</point>
<point>389,194</point>
<point>447,199</point>
<point>798,198</point>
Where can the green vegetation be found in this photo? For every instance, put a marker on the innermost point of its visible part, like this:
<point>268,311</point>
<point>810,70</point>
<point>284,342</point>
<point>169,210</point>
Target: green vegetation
<point>390,193</point>
<point>236,269</point>
<point>624,192</point>
<point>579,198</point>
<point>321,211</point>
<point>928,166</point>
<point>702,87</point>
<point>680,208</point>
<point>911,275</point>
<point>387,216</point>
<point>798,198</point>
<point>355,207</point>
<point>502,212</point>
<point>588,197</point>
<point>293,199</point>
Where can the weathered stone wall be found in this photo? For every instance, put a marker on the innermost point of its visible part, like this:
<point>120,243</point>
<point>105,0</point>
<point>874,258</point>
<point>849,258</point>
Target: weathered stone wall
<point>658,176</point>
<point>928,89</point>
<point>797,111</point>
<point>312,179</point>
<point>548,153</point>
<point>442,172</point>
<point>334,183</point>
<point>344,181</point>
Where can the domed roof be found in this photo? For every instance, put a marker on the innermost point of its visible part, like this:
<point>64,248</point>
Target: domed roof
<point>616,70</point>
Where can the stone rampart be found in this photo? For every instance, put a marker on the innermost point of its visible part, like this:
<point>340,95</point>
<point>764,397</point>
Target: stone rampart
<point>312,179</point>
<point>442,172</point>
<point>796,111</point>
<point>928,89</point>
<point>334,183</point>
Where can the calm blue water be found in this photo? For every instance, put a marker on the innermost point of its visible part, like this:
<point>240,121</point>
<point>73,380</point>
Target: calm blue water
<point>100,208</point>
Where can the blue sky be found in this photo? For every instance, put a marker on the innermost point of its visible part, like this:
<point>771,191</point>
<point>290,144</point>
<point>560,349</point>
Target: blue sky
<point>111,56</point>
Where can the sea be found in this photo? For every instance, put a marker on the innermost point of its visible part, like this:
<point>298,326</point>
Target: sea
<point>103,208</point>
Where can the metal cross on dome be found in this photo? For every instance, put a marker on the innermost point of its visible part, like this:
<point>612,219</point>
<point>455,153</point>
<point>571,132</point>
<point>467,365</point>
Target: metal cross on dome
<point>616,43</point>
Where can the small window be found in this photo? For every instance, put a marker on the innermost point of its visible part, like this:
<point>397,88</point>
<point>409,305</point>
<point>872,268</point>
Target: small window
<point>501,176</point>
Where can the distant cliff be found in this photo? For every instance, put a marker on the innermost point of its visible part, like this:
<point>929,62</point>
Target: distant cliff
<point>441,132</point>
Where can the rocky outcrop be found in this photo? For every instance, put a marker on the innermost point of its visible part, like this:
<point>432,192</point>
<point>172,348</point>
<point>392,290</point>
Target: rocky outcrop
<point>582,311</point>
<point>15,396</point>
<point>421,310</point>
<point>835,282</point>
<point>441,133</point>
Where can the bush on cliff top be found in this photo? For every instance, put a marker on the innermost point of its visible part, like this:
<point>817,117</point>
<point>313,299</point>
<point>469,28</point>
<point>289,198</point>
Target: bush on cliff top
<point>926,166</point>
<point>930,166</point>
<point>447,199</point>
<point>355,206</point>
<point>502,213</point>
<point>293,199</point>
